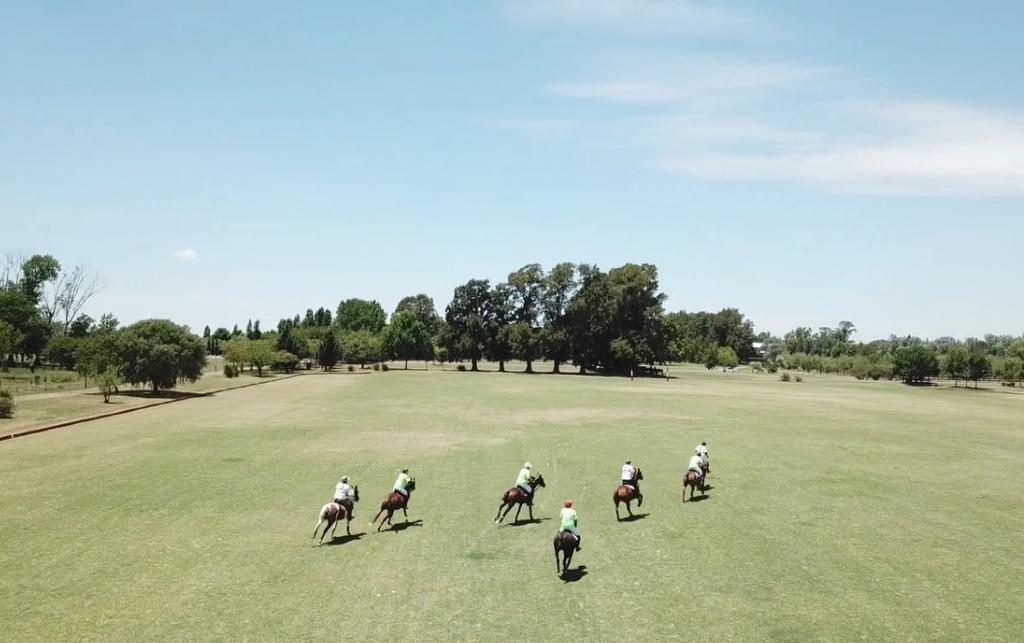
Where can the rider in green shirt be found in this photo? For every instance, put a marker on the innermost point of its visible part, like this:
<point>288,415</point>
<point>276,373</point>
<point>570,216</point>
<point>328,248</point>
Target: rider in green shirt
<point>403,481</point>
<point>523,481</point>
<point>570,523</point>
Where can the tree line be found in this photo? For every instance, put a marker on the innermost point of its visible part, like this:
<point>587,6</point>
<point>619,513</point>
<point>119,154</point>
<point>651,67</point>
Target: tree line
<point>610,321</point>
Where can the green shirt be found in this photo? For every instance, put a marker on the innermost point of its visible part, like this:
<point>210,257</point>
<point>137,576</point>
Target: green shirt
<point>568,518</point>
<point>403,479</point>
<point>524,476</point>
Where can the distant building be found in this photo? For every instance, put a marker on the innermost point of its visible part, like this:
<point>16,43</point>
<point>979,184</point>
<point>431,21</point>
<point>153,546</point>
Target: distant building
<point>758,354</point>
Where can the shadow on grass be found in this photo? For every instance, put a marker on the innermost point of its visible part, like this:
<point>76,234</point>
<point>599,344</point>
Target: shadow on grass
<point>708,487</point>
<point>402,526</point>
<point>574,575</point>
<point>521,523</point>
<point>699,498</point>
<point>634,517</point>
<point>160,395</point>
<point>341,540</point>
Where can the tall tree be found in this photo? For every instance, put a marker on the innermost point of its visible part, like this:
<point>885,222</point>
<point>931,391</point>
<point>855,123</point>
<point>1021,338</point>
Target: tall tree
<point>328,353</point>
<point>526,286</point>
<point>954,364</point>
<point>916,363</point>
<point>469,317</point>
<point>360,347</point>
<point>360,314</point>
<point>407,337</point>
<point>501,316</point>
<point>160,353</point>
<point>559,287</point>
<point>423,307</point>
<point>978,367</point>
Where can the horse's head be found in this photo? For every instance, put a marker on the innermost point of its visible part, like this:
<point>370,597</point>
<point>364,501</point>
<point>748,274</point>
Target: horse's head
<point>639,474</point>
<point>355,492</point>
<point>411,485</point>
<point>538,481</point>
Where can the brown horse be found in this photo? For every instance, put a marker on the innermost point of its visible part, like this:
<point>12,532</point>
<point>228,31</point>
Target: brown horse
<point>392,503</point>
<point>516,496</point>
<point>693,481</point>
<point>565,542</point>
<point>331,514</point>
<point>628,493</point>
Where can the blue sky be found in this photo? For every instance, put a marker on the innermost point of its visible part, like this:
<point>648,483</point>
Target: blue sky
<point>803,161</point>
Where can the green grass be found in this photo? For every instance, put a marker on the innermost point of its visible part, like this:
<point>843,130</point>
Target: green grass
<point>840,510</point>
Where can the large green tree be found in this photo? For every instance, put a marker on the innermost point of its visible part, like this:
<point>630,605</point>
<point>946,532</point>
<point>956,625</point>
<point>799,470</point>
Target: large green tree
<point>978,366</point>
<point>423,308</point>
<point>954,364</point>
<point>407,337</point>
<point>360,314</point>
<point>469,318</point>
<point>559,286</point>
<point>526,289</point>
<point>916,363</point>
<point>360,347</point>
<point>328,353</point>
<point>159,352</point>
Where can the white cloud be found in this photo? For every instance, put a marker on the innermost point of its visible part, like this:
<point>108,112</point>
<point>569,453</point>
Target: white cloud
<point>185,254</point>
<point>635,17</point>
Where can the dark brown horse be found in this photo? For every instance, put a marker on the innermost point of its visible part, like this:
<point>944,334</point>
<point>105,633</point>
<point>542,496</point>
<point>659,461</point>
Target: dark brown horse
<point>516,496</point>
<point>392,503</point>
<point>693,480</point>
<point>565,542</point>
<point>332,513</point>
<point>627,494</point>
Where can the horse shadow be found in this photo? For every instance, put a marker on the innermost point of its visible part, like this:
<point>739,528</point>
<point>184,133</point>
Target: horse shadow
<point>402,526</point>
<point>574,575</point>
<point>701,498</point>
<point>522,523</point>
<point>341,540</point>
<point>708,487</point>
<point>634,517</point>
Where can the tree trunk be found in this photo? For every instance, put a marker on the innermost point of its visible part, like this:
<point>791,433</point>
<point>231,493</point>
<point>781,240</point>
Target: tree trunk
<point>555,369</point>
<point>501,366</point>
<point>583,369</point>
<point>529,366</point>
<point>156,389</point>
<point>473,367</point>
<point>406,364</point>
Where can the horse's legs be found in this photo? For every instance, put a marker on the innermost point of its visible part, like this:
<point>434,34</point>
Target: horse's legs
<point>508,508</point>
<point>567,559</point>
<point>405,513</point>
<point>497,516</point>
<point>377,516</point>
<point>558,563</point>
<point>319,522</point>
<point>518,509</point>
<point>617,508</point>
<point>628,509</point>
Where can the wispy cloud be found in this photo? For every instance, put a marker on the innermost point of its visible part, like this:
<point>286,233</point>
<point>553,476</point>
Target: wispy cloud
<point>635,17</point>
<point>185,254</point>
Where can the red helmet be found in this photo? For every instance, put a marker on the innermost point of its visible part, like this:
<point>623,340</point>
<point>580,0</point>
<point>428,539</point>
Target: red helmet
<point>568,503</point>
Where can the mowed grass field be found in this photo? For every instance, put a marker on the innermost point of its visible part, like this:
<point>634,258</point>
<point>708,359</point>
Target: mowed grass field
<point>839,510</point>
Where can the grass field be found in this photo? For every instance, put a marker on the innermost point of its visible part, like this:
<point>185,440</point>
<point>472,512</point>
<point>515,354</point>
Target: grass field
<point>839,510</point>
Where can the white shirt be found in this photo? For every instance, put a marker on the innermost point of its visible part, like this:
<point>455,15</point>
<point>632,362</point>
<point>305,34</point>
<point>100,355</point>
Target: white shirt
<point>628,472</point>
<point>342,491</point>
<point>701,450</point>
<point>695,462</point>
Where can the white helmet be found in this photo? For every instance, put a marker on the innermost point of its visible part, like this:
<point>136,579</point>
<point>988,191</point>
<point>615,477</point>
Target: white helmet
<point>344,478</point>
<point>527,466</point>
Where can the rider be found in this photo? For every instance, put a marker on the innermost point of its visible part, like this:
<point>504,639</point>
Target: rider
<point>695,463</point>
<point>344,494</point>
<point>523,481</point>
<point>702,451</point>
<point>570,522</point>
<point>629,476</point>
<point>402,482</point>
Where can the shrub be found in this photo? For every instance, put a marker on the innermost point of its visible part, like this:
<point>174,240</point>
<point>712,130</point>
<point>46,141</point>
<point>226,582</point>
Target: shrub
<point>231,370</point>
<point>784,377</point>
<point>756,368</point>
<point>798,379</point>
<point>6,404</point>
<point>384,367</point>
<point>376,366</point>
<point>109,380</point>
<point>351,368</point>
<point>460,367</point>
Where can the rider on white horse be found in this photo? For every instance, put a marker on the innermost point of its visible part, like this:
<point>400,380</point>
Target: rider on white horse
<point>344,495</point>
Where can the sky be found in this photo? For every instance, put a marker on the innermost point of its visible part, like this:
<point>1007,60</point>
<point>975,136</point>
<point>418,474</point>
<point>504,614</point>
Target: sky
<point>806,162</point>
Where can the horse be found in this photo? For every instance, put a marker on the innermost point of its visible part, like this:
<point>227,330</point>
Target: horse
<point>565,542</point>
<point>516,496</point>
<point>695,480</point>
<point>392,503</point>
<point>627,493</point>
<point>331,514</point>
